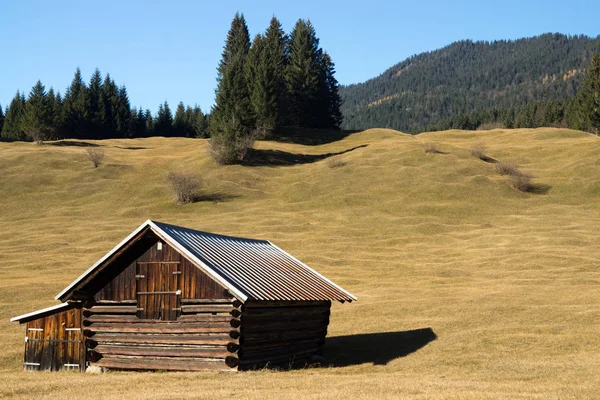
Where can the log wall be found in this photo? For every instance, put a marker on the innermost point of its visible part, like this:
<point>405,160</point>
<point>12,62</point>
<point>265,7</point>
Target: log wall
<point>199,339</point>
<point>55,342</point>
<point>281,333</point>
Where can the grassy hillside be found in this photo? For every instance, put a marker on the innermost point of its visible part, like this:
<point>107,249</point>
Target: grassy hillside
<point>433,245</point>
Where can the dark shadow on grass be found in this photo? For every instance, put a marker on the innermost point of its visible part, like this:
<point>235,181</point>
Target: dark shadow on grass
<point>376,348</point>
<point>275,158</point>
<point>132,148</point>
<point>435,151</point>
<point>73,143</point>
<point>488,159</point>
<point>214,197</point>
<point>310,137</point>
<point>538,188</point>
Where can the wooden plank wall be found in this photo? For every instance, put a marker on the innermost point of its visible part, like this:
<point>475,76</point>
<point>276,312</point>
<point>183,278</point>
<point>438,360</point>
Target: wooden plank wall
<point>195,284</point>
<point>55,342</point>
<point>281,333</point>
<point>202,338</point>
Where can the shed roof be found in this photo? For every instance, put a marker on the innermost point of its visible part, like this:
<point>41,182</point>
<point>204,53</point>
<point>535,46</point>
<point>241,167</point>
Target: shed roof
<point>39,313</point>
<point>250,269</point>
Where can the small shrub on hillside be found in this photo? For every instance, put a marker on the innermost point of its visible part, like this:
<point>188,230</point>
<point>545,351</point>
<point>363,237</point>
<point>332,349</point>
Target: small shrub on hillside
<point>335,162</point>
<point>184,186</point>
<point>478,151</point>
<point>96,156</point>
<point>430,148</point>
<point>520,182</point>
<point>509,169</point>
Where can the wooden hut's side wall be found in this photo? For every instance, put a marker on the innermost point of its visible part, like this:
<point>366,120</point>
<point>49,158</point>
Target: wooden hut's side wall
<point>196,337</point>
<point>282,333</point>
<point>55,342</point>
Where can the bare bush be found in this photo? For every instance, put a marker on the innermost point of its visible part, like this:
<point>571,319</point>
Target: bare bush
<point>335,162</point>
<point>96,156</point>
<point>430,148</point>
<point>478,151</point>
<point>509,169</point>
<point>521,182</point>
<point>184,186</point>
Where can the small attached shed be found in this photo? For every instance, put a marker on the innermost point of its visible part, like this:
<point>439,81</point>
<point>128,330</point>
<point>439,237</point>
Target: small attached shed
<point>173,298</point>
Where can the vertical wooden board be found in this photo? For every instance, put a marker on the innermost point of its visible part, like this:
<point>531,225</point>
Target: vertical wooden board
<point>48,345</point>
<point>81,352</point>
<point>70,335</point>
<point>131,281</point>
<point>141,287</point>
<point>39,345</point>
<point>59,354</point>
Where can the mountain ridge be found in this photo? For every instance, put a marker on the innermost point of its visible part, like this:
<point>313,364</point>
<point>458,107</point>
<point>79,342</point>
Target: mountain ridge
<point>464,77</point>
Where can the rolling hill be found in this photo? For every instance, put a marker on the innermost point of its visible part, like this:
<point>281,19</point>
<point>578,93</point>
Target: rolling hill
<point>427,90</point>
<point>467,287</point>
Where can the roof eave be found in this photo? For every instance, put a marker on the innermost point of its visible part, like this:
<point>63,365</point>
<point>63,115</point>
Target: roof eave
<point>28,316</point>
<point>351,297</point>
<point>62,295</point>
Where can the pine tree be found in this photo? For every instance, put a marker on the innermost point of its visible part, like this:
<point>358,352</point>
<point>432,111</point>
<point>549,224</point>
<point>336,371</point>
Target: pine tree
<point>75,108</point>
<point>330,116</point>
<point>13,127</point>
<point>588,99</point>
<point>303,73</point>
<point>232,120</point>
<point>109,99</point>
<point>190,122</point>
<point>276,59</point>
<point>1,120</point>
<point>509,119</point>
<point>164,121</point>
<point>262,89</point>
<point>58,116</point>
<point>94,105</point>
<point>179,122</point>
<point>200,124</point>
<point>123,113</point>
<point>140,123</point>
<point>37,121</point>
<point>149,123</point>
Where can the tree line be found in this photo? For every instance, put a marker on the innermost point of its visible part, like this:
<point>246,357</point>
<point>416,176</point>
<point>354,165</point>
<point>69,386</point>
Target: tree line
<point>97,110</point>
<point>277,80</point>
<point>274,81</point>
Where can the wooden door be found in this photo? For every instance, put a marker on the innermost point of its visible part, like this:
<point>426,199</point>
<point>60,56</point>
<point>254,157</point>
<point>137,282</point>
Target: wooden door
<point>55,342</point>
<point>158,290</point>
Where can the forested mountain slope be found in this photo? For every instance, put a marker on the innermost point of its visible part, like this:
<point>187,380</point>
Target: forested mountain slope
<point>423,92</point>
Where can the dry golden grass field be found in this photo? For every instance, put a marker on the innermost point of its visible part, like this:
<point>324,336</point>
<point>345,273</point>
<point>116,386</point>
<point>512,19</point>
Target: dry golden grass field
<point>467,287</point>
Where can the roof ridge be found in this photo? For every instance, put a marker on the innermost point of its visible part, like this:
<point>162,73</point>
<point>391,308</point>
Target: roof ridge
<point>163,224</point>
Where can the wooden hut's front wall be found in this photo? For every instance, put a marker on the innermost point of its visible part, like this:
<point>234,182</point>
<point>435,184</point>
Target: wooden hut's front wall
<point>55,342</point>
<point>161,312</point>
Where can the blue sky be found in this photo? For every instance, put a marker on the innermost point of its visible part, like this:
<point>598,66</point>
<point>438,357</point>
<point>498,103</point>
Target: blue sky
<point>169,50</point>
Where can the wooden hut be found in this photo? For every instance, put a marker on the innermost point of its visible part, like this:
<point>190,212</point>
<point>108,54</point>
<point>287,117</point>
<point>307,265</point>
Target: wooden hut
<point>172,298</point>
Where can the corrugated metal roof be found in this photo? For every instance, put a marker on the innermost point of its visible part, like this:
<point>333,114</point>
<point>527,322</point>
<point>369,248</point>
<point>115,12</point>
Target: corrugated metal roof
<point>257,268</point>
<point>251,269</point>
